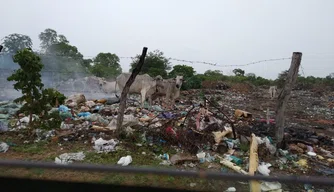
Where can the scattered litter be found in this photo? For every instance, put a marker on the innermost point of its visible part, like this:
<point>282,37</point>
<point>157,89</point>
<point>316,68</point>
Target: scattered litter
<point>264,168</point>
<point>102,145</point>
<point>197,123</point>
<point>192,185</point>
<point>165,162</point>
<point>271,186</point>
<point>4,147</point>
<point>231,189</point>
<point>308,187</point>
<point>125,161</point>
<point>3,127</point>
<point>233,166</point>
<point>302,163</point>
<point>164,156</point>
<point>63,108</point>
<point>201,157</point>
<point>312,154</point>
<point>270,147</point>
<point>68,158</point>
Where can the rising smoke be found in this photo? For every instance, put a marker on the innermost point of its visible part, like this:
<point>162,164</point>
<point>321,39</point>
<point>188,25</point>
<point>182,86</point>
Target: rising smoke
<point>62,73</point>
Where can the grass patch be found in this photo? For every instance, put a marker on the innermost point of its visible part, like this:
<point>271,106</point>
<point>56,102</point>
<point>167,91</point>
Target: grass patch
<point>34,148</point>
<point>111,158</point>
<point>38,171</point>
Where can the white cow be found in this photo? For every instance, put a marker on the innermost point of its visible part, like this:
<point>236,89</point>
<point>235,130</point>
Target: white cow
<point>143,84</point>
<point>272,92</point>
<point>108,87</point>
<point>171,89</point>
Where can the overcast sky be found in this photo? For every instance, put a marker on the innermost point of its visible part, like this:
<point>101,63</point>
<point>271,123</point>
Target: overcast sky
<point>226,32</point>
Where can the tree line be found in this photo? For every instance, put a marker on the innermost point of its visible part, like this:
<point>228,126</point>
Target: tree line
<point>59,55</point>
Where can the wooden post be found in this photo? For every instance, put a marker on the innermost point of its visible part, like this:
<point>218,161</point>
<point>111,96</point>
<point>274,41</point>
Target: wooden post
<point>285,95</point>
<point>268,116</point>
<point>126,88</point>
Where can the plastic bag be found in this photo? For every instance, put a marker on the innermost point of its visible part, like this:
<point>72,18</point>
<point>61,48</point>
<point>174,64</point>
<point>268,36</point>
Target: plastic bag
<point>263,168</point>
<point>4,147</point>
<point>102,145</point>
<point>68,158</point>
<point>125,161</point>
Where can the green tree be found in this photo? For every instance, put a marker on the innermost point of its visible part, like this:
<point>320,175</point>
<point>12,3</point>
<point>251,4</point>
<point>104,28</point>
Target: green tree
<point>155,64</point>
<point>330,76</point>
<point>252,75</point>
<point>15,42</point>
<point>194,82</point>
<point>213,75</point>
<point>239,72</point>
<point>281,78</point>
<point>50,37</point>
<point>28,80</point>
<point>66,60</point>
<point>62,56</point>
<point>87,63</point>
<point>184,70</point>
<point>65,50</point>
<point>106,65</point>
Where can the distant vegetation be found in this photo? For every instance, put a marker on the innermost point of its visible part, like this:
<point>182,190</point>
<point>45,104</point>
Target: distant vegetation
<point>57,54</point>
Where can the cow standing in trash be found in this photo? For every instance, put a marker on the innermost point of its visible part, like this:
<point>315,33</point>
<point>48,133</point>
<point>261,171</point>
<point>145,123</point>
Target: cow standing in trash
<point>171,89</point>
<point>272,92</point>
<point>143,84</point>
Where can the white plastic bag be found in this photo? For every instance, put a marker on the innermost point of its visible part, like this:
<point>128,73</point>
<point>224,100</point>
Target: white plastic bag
<point>263,168</point>
<point>102,145</point>
<point>68,158</point>
<point>271,186</point>
<point>4,147</point>
<point>125,161</point>
<point>270,147</point>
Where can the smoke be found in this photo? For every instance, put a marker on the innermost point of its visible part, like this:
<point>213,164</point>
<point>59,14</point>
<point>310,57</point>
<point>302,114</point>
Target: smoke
<point>66,75</point>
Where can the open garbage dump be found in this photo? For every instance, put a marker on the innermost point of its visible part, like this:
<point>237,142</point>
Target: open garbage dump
<point>225,130</point>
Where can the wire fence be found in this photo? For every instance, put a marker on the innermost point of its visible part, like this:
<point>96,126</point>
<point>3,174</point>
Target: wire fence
<point>178,60</point>
<point>53,80</point>
<point>168,172</point>
<point>74,81</point>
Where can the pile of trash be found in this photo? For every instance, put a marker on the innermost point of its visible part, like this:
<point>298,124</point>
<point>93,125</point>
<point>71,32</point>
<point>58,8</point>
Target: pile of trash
<point>203,131</point>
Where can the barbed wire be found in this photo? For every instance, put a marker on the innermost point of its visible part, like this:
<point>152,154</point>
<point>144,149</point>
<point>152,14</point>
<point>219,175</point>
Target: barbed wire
<point>302,69</point>
<point>170,58</point>
<point>186,61</point>
<point>217,65</point>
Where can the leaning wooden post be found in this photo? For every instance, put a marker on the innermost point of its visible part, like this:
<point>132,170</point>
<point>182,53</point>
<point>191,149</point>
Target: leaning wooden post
<point>285,95</point>
<point>268,116</point>
<point>126,88</point>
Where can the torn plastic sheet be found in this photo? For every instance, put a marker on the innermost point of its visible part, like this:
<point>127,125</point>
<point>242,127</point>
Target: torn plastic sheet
<point>68,158</point>
<point>4,147</point>
<point>271,186</point>
<point>105,146</point>
<point>264,168</point>
<point>3,126</point>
